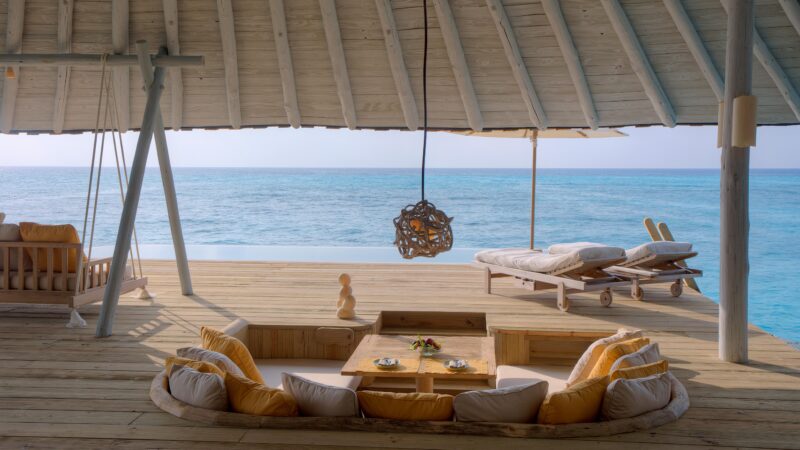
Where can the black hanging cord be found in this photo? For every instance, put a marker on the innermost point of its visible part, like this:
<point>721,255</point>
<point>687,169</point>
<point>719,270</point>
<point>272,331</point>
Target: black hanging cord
<point>424,93</point>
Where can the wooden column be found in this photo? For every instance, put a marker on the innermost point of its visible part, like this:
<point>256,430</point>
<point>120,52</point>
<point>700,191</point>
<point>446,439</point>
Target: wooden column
<point>534,144</point>
<point>734,190</point>
<point>125,231</point>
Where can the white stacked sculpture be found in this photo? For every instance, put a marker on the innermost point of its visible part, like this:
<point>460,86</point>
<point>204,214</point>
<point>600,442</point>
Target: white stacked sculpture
<point>346,306</point>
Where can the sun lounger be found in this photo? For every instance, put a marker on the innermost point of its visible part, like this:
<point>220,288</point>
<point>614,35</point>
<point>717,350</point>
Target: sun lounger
<point>657,262</point>
<point>567,267</point>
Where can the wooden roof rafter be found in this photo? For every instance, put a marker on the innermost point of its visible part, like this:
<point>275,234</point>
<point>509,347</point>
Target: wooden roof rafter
<point>792,10</point>
<point>14,23</point>
<point>64,38</point>
<point>518,68</point>
<point>175,74</point>
<point>120,23</point>
<point>230,60</point>
<point>455,52</point>
<point>394,52</point>
<point>285,66</point>
<point>639,61</point>
<point>333,36</point>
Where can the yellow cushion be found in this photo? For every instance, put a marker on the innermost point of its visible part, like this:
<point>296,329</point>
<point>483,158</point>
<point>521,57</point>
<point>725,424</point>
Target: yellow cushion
<point>61,234</point>
<point>232,348</point>
<point>200,366</point>
<point>646,370</point>
<point>614,352</point>
<point>248,397</point>
<point>406,406</point>
<point>577,404</point>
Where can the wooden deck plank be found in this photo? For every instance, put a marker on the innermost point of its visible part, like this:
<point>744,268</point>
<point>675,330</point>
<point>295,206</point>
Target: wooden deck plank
<point>64,388</point>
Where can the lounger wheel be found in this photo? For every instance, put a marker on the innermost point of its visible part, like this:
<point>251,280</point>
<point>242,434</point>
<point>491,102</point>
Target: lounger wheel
<point>676,288</point>
<point>637,293</point>
<point>563,304</point>
<point>606,298</point>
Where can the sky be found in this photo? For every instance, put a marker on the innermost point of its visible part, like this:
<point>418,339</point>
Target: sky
<point>647,147</point>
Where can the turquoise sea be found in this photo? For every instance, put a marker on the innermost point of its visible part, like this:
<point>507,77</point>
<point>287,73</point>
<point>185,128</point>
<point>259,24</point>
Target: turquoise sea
<point>346,214</point>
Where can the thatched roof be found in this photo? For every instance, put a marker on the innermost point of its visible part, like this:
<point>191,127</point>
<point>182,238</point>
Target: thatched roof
<point>493,63</point>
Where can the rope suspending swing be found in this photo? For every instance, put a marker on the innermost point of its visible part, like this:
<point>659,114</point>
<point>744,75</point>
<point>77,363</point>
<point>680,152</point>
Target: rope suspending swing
<point>421,229</point>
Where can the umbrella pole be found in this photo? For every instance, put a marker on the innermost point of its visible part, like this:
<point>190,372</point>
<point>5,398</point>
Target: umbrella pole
<point>534,143</point>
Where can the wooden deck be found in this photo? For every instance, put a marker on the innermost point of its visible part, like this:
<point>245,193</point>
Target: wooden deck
<point>62,388</point>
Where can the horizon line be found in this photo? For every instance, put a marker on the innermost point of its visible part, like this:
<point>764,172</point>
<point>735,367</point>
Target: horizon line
<point>400,168</point>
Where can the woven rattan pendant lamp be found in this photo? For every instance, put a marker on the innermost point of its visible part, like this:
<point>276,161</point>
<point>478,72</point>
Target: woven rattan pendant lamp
<point>421,229</point>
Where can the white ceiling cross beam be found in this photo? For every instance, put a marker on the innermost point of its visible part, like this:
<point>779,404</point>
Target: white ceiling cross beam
<point>399,72</point>
<point>230,61</point>
<point>333,36</point>
<point>518,68</point>
<point>639,61</point>
<point>455,52</point>
<point>121,75</point>
<point>698,50</point>
<point>792,10</point>
<point>285,66</point>
<point>14,23</point>
<point>552,9</point>
<point>175,74</point>
<point>64,42</point>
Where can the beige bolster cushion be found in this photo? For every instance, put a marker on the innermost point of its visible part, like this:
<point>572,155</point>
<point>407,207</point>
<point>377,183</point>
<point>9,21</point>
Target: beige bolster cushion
<point>514,404</point>
<point>203,390</point>
<point>645,355</point>
<point>216,358</point>
<point>630,398</point>
<point>589,358</point>
<point>321,400</point>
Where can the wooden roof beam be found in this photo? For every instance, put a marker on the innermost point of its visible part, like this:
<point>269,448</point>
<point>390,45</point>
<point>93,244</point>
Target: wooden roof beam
<point>94,60</point>
<point>792,10</point>
<point>14,23</point>
<point>774,69</point>
<point>230,61</point>
<point>639,61</point>
<point>689,33</point>
<point>552,9</point>
<point>64,41</point>
<point>285,65</point>
<point>518,68</point>
<point>171,22</point>
<point>399,72</point>
<point>455,52</point>
<point>121,75</point>
<point>333,36</point>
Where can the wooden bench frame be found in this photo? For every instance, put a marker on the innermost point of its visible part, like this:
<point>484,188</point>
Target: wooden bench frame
<point>657,269</point>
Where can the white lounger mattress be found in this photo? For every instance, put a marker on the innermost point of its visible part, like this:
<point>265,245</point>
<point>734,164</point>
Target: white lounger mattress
<point>550,262</point>
<point>658,252</point>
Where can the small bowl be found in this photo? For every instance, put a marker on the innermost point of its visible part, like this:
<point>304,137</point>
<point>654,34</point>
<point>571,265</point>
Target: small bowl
<point>386,363</point>
<point>456,365</point>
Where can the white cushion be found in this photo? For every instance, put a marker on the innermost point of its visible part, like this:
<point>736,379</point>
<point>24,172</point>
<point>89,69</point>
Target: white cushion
<point>513,404</point>
<point>320,400</point>
<point>504,256</point>
<point>204,390</point>
<point>216,358</point>
<point>587,361</point>
<point>536,261</point>
<point>560,249</point>
<point>324,371</point>
<point>555,376</point>
<point>630,398</point>
<point>645,355</point>
<point>9,232</point>
<point>657,248</point>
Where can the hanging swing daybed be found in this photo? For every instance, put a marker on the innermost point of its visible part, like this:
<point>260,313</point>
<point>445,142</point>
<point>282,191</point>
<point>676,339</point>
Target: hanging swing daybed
<point>39,263</point>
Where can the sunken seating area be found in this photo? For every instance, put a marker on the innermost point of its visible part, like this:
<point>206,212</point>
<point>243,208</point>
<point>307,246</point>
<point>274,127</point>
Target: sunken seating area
<point>546,385</point>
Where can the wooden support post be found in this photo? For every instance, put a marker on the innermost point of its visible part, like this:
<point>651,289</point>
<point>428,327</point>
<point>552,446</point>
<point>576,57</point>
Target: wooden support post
<point>734,187</point>
<point>167,179</point>
<point>534,145</point>
<point>111,295</point>
<point>14,23</point>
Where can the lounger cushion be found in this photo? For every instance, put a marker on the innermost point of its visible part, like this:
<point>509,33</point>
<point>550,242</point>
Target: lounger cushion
<point>589,358</point>
<point>630,373</point>
<point>613,352</point>
<point>324,371</point>
<point>535,261</point>
<point>406,406</point>
<point>232,348</point>
<point>657,248</point>
<point>629,398</point>
<point>216,358</point>
<point>555,376</point>
<point>203,390</point>
<point>514,404</point>
<point>60,234</point>
<point>200,366</point>
<point>577,404</point>
<point>249,397</point>
<point>505,257</point>
<point>560,249</point>
<point>321,400</point>
<point>645,355</point>
<point>9,232</point>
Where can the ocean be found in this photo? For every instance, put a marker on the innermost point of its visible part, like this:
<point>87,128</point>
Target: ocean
<point>346,214</point>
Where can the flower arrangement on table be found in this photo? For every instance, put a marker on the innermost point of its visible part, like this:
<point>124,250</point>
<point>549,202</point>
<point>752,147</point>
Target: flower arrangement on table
<point>426,347</point>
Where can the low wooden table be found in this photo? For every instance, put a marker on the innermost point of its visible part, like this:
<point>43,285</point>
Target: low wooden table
<point>479,351</point>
